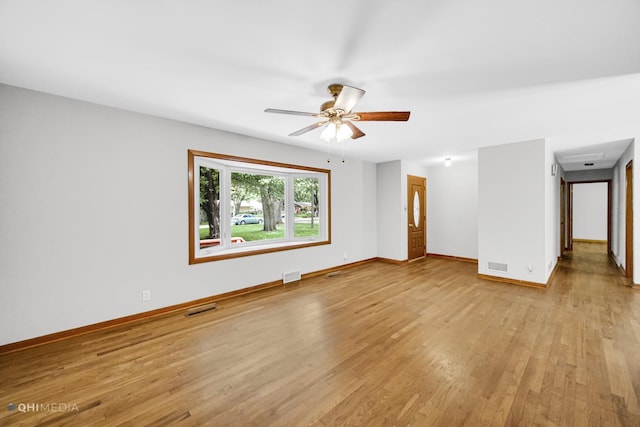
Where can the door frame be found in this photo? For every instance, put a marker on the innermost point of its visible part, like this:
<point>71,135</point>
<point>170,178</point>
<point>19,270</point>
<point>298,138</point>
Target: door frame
<point>563,216</point>
<point>628,231</point>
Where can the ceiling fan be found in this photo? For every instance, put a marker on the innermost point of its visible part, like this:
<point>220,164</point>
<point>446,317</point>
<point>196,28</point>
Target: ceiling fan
<point>337,117</point>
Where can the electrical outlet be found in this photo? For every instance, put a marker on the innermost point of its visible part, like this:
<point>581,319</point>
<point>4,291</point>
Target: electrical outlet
<point>146,295</point>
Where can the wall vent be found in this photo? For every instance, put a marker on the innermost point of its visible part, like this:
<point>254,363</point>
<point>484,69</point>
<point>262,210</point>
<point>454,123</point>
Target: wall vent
<point>497,266</point>
<point>291,276</point>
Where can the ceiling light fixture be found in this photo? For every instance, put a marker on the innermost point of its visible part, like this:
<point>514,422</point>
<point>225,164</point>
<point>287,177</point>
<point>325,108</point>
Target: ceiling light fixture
<point>336,130</point>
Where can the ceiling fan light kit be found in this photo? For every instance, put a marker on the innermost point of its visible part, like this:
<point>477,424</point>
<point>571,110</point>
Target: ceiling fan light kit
<point>336,130</point>
<point>337,116</point>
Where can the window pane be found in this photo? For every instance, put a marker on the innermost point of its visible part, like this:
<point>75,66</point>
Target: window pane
<point>257,207</point>
<point>306,207</point>
<point>209,207</point>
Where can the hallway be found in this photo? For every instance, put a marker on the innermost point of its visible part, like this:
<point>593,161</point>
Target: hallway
<point>587,257</point>
<point>600,336</point>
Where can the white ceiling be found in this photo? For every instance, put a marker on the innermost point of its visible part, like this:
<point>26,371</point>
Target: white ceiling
<point>472,74</point>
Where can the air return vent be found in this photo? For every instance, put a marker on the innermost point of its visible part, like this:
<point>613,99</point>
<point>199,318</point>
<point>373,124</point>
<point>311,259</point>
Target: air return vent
<point>497,266</point>
<point>290,276</point>
<point>579,158</point>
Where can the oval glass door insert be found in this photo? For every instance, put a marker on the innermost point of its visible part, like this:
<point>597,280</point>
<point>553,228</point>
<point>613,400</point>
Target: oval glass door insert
<point>416,210</point>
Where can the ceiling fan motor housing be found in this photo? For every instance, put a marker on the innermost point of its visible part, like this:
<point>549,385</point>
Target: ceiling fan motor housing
<point>327,105</point>
<point>334,89</point>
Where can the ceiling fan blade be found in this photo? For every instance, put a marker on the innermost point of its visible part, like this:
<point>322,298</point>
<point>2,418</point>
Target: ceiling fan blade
<point>391,116</point>
<point>357,133</point>
<point>308,128</point>
<point>297,113</point>
<point>348,98</point>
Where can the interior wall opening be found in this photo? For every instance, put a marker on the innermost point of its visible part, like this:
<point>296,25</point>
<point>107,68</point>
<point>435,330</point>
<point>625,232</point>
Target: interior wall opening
<point>589,213</point>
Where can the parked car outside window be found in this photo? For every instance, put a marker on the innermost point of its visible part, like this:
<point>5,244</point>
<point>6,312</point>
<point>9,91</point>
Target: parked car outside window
<point>245,219</point>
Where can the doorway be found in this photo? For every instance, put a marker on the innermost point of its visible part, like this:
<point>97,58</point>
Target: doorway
<point>571,209</point>
<point>629,220</point>
<point>563,215</point>
<point>416,217</point>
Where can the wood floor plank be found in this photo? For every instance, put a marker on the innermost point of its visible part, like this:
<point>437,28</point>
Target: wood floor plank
<point>420,344</point>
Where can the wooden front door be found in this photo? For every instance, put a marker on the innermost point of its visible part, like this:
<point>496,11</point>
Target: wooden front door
<point>416,216</point>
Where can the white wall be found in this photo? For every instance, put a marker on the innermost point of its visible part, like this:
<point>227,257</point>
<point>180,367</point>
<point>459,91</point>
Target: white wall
<point>93,209</point>
<point>392,206</point>
<point>618,208</point>
<point>390,215</point>
<point>512,217</point>
<point>617,211</point>
<point>365,203</point>
<point>552,213</point>
<point>589,175</point>
<point>590,202</point>
<point>452,208</point>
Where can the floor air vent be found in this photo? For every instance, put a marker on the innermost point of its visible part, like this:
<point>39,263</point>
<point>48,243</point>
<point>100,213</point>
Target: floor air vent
<point>291,276</point>
<point>497,266</point>
<point>200,309</point>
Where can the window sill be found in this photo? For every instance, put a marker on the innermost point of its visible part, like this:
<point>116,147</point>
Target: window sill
<point>237,252</point>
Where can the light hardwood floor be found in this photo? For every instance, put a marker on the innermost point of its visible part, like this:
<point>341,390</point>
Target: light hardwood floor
<point>420,344</point>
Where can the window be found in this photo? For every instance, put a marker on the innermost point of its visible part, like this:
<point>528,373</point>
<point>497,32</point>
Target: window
<point>240,207</point>
<point>306,192</point>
